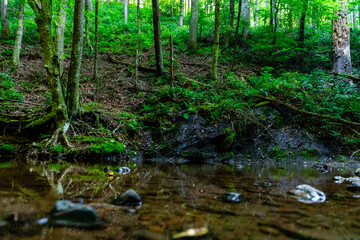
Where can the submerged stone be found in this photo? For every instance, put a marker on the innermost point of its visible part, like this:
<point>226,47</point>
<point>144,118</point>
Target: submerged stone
<point>233,197</point>
<point>129,198</point>
<point>357,172</point>
<point>307,194</point>
<point>67,213</point>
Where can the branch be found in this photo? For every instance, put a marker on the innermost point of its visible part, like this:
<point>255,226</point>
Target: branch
<point>292,107</point>
<point>113,60</point>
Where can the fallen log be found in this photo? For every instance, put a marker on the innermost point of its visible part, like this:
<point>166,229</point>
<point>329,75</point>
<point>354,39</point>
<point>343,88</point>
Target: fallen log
<point>113,60</point>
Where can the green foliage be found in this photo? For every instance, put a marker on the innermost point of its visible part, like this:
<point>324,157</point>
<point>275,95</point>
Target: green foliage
<point>5,164</point>
<point>278,153</point>
<point>6,148</point>
<point>7,90</point>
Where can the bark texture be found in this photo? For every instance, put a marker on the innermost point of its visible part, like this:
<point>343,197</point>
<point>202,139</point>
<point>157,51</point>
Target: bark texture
<point>5,30</point>
<point>341,42</point>
<point>158,51</point>
<point>19,34</point>
<point>96,60</point>
<point>193,25</point>
<point>126,11</point>
<point>73,97</point>
<point>231,23</point>
<point>59,33</point>
<point>181,18</point>
<point>246,19</point>
<point>215,52</point>
<point>302,24</point>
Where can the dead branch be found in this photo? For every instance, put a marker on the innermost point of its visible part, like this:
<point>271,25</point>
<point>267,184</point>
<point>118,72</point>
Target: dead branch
<point>275,101</point>
<point>113,60</point>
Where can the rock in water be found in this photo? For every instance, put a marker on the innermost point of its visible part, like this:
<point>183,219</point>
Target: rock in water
<point>357,172</point>
<point>67,213</point>
<point>129,198</point>
<point>233,197</point>
<point>307,194</point>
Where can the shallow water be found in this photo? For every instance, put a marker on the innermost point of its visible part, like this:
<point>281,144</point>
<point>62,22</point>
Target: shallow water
<point>180,197</point>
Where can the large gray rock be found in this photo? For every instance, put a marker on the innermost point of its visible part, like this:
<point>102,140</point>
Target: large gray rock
<point>67,213</point>
<point>129,198</point>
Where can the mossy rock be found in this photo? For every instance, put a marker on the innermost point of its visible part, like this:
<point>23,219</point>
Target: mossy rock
<point>309,153</point>
<point>6,149</point>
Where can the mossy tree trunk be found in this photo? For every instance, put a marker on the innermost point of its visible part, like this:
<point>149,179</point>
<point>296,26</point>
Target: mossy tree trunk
<point>5,30</point>
<point>59,32</point>
<point>43,17</point>
<point>73,96</point>
<point>215,53</point>
<point>63,108</point>
<point>19,34</point>
<point>193,25</point>
<point>126,11</point>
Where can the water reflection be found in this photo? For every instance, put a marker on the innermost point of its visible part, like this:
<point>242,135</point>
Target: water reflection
<point>178,199</point>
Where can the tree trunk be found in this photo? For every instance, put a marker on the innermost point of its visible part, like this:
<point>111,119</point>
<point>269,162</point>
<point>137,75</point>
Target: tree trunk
<point>73,96</point>
<point>171,10</point>
<point>231,23</point>
<point>59,33</point>
<point>215,52</point>
<point>256,13</point>
<point>354,16</point>
<point>246,19</point>
<point>341,42</point>
<point>87,35</point>
<point>271,23</point>
<point>181,18</point>
<point>96,61</point>
<point>43,17</point>
<point>302,24</point>
<point>236,37</point>
<point>265,15</point>
<point>19,34</point>
<point>5,30</point>
<point>158,51</point>
<point>193,25</point>
<point>126,10</point>
<point>139,26</point>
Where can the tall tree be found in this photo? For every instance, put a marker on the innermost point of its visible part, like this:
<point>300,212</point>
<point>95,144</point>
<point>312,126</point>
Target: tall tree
<point>302,23</point>
<point>126,10</point>
<point>231,23</point>
<point>193,25</point>
<point>236,36</point>
<point>88,8</point>
<point>246,19</point>
<point>158,51</point>
<point>341,41</point>
<point>59,32</point>
<point>96,60</point>
<point>256,11</point>
<point>215,51</point>
<point>63,107</point>
<point>138,25</point>
<point>181,18</point>
<point>5,30</point>
<point>73,96</point>
<point>19,34</point>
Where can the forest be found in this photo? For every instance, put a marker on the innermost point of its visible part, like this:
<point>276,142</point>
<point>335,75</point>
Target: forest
<point>117,77</point>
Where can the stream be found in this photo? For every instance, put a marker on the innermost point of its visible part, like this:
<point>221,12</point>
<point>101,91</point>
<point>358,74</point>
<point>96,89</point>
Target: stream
<point>178,198</point>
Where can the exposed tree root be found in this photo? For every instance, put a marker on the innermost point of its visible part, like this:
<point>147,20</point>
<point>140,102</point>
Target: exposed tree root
<point>273,100</point>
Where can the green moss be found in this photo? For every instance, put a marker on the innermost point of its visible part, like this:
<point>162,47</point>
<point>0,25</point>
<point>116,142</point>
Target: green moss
<point>6,148</point>
<point>111,147</point>
<point>57,148</point>
<point>5,164</point>
<point>227,137</point>
<point>309,153</point>
<point>278,153</point>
